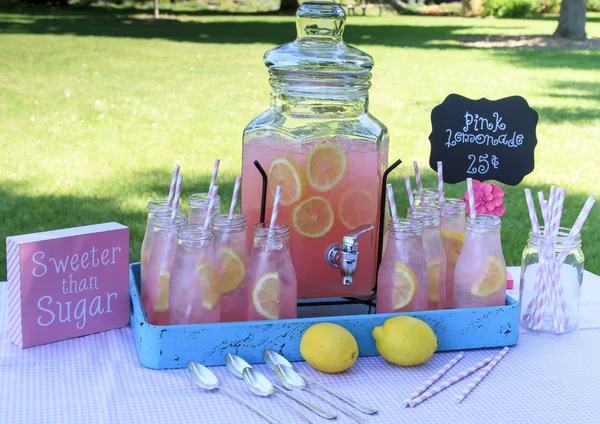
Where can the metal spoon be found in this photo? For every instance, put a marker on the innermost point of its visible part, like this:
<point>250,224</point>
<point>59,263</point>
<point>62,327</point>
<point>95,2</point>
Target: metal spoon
<point>261,386</point>
<point>205,378</point>
<point>237,366</point>
<point>291,380</point>
<point>273,358</point>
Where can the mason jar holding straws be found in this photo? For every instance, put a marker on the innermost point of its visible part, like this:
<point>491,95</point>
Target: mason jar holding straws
<point>551,277</point>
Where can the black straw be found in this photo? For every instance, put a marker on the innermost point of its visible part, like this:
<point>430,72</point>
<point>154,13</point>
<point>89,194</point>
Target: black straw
<point>382,207</point>
<point>263,199</point>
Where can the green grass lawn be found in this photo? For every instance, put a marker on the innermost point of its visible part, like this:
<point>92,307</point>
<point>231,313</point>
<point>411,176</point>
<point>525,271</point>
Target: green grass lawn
<point>96,109</point>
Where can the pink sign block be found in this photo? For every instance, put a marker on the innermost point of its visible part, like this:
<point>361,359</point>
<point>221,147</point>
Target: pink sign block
<point>509,280</point>
<point>67,283</point>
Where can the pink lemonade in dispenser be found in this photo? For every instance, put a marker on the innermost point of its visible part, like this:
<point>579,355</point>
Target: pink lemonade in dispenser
<point>320,143</point>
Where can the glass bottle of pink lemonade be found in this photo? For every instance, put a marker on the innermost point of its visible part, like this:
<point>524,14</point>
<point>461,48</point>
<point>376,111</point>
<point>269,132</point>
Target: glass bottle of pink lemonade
<point>480,274</point>
<point>199,205</point>
<point>319,141</point>
<point>232,247</point>
<point>453,236</point>
<point>434,253</point>
<point>402,280</point>
<point>155,285</point>
<point>272,289</point>
<point>154,208</point>
<point>194,284</point>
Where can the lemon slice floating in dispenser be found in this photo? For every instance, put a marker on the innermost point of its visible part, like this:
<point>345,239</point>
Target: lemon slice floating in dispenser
<point>405,286</point>
<point>284,172</point>
<point>233,270</point>
<point>265,296</point>
<point>434,269</point>
<point>208,274</point>
<point>491,280</point>
<point>313,217</point>
<point>162,301</point>
<point>357,207</point>
<point>326,165</point>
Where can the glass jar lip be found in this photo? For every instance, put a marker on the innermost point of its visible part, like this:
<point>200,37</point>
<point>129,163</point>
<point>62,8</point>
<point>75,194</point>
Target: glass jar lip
<point>452,206</point>
<point>428,192</point>
<point>563,239</point>
<point>407,225</point>
<point>222,222</point>
<point>202,199</point>
<point>165,220</point>
<point>159,205</point>
<point>262,229</point>
<point>194,232</point>
<point>484,222</point>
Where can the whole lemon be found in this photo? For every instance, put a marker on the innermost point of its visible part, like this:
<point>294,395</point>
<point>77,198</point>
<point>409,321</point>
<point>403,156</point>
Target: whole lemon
<point>405,341</point>
<point>329,347</point>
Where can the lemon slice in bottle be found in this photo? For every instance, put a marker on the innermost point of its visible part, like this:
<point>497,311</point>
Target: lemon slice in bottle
<point>284,172</point>
<point>265,295</point>
<point>492,280</point>
<point>162,301</point>
<point>434,269</point>
<point>209,279</point>
<point>405,286</point>
<point>313,217</point>
<point>453,242</point>
<point>326,165</point>
<point>233,270</point>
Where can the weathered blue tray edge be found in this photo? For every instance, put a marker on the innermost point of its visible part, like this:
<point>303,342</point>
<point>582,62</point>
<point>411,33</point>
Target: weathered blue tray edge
<point>166,347</point>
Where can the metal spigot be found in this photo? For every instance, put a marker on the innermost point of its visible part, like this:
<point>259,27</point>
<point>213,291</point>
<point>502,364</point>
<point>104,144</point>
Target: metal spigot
<point>345,256</point>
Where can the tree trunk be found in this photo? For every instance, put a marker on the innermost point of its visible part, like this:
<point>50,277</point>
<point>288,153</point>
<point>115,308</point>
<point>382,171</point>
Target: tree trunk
<point>472,7</point>
<point>288,6</point>
<point>156,11</point>
<point>571,22</point>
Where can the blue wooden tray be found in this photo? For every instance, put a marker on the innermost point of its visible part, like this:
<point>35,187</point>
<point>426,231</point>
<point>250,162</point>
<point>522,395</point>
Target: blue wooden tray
<point>164,347</point>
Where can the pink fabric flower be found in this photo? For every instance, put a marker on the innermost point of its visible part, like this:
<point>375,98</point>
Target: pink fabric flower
<point>488,199</point>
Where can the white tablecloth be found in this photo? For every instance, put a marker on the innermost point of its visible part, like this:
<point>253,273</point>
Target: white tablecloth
<point>98,379</point>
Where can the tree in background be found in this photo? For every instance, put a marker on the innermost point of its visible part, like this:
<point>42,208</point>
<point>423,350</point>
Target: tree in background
<point>156,11</point>
<point>571,22</point>
<point>288,6</point>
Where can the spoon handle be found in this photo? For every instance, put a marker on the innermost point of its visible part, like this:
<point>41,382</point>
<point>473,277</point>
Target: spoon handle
<point>268,417</point>
<point>346,411</point>
<point>353,403</point>
<point>312,407</point>
<point>295,408</point>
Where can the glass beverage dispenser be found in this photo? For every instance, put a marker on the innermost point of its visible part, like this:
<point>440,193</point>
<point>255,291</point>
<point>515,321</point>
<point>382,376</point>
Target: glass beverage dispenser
<point>318,140</point>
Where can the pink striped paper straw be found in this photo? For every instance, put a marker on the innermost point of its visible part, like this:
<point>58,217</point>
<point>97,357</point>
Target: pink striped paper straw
<point>471,198</point>
<point>275,208</point>
<point>436,389</point>
<point>532,214</point>
<point>411,198</point>
<point>559,198</point>
<point>236,189</point>
<point>543,206</point>
<point>585,212</point>
<point>440,172</point>
<point>390,193</point>
<point>177,196</point>
<point>435,377</point>
<point>551,200</point>
<point>211,207</point>
<point>213,178</point>
<point>172,188</point>
<point>481,375</point>
<point>418,178</point>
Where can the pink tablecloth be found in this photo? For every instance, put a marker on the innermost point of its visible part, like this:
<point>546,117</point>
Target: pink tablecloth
<point>98,379</point>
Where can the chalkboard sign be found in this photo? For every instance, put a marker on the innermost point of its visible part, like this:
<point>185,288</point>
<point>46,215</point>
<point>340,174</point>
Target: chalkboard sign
<point>483,139</point>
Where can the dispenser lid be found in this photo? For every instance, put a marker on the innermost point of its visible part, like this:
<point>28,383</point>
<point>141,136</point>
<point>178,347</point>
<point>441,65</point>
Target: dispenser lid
<point>319,47</point>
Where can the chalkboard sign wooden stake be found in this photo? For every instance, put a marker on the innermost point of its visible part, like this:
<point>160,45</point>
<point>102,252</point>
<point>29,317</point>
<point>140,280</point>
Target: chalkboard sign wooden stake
<point>483,139</point>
